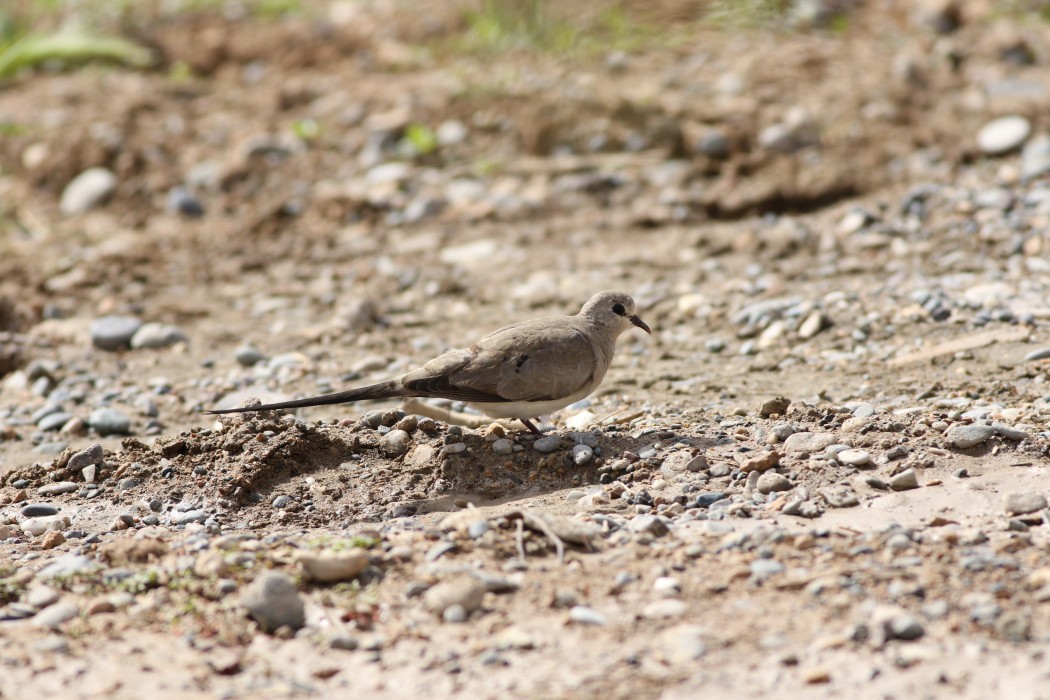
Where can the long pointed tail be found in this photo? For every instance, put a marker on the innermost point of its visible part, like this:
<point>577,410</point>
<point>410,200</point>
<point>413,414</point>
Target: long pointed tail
<point>384,390</point>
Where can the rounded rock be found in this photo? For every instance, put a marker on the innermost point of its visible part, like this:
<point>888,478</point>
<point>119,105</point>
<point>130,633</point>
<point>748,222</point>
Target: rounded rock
<point>547,444</point>
<point>1023,502</point>
<point>114,332</point>
<point>273,601</point>
<point>109,421</point>
<point>248,356</point>
<point>966,436</point>
<point>581,454</point>
<point>152,336</point>
<point>854,457</point>
<point>1003,135</point>
<point>771,482</point>
<point>87,190</point>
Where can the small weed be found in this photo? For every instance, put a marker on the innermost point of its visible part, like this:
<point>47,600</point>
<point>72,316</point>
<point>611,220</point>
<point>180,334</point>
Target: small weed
<point>419,140</point>
<point>140,582</point>
<point>747,14</point>
<point>306,130</point>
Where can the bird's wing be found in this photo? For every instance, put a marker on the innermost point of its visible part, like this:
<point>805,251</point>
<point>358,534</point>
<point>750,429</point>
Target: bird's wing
<point>540,360</point>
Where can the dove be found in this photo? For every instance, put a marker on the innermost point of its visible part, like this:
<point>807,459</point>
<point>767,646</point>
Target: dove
<point>522,371</point>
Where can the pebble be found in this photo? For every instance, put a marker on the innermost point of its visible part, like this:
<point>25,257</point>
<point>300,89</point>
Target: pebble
<point>581,454</point>
<point>653,524</point>
<point>152,336</point>
<point>67,565</point>
<point>667,586</point>
<point>762,569</point>
<point>332,567</point>
<point>87,190</point>
<point>33,510</point>
<point>583,615</point>
<point>1008,432</point>
<point>1024,502</point>
<point>188,516</point>
<point>248,356</point>
<point>54,615</point>
<point>503,446</point>
<point>905,481</point>
<point>705,500</point>
<point>668,608</point>
<point>477,529</point>
<point>905,627</point>
<point>1035,158</point>
<point>839,496</point>
<point>453,448</point>
<point>464,591</point>
<point>281,501</point>
<point>809,442</point>
<point>854,458</point>
<point>52,539</point>
<point>86,458</point>
<point>772,482</point>
<point>455,614</point>
<point>1003,135</point>
<point>343,642</point>
<point>966,436</point>
<point>109,421</point>
<point>57,488</point>
<point>273,601</point>
<point>42,596</point>
<point>547,444</point>
<point>114,332</point>
<point>395,443</point>
<point>54,421</point>
<point>1040,354</point>
<point>182,200</point>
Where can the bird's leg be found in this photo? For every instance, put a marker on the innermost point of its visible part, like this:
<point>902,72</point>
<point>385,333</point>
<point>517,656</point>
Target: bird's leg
<point>532,428</point>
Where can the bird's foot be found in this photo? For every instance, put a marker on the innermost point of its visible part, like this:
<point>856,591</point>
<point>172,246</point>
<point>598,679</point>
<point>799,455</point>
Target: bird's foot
<point>532,428</point>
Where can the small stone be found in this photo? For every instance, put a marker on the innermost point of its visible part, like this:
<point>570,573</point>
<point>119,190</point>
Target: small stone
<point>54,421</point>
<point>188,516</point>
<point>343,642</point>
<point>114,332</point>
<point>273,601</point>
<point>503,446</point>
<point>966,436</point>
<point>583,615</point>
<point>34,510</point>
<point>42,596</point>
<point>87,190</point>
<point>762,569</point>
<point>152,336</point>
<point>181,200</point>
<point>547,444</point>
<point>1024,502</point>
<point>464,591</point>
<point>395,443</point>
<point>839,496</point>
<point>814,323</point>
<point>667,586</point>
<point>854,458</point>
<point>705,500</point>
<point>54,615</point>
<point>52,539</point>
<point>86,458</point>
<point>811,443</point>
<point>653,524</point>
<point>1003,135</point>
<point>109,421</point>
<point>581,454</point>
<point>668,608</point>
<point>761,463</point>
<point>905,627</point>
<point>455,614</point>
<point>248,356</point>
<point>281,501</point>
<point>332,567</point>
<point>453,448</point>
<point>1035,161</point>
<point>772,482</point>
<point>477,529</point>
<point>904,481</point>
<point>1008,432</point>
<point>57,488</point>
<point>211,564</point>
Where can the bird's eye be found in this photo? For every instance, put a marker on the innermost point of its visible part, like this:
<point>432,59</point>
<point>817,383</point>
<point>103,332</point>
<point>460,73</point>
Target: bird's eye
<point>619,310</point>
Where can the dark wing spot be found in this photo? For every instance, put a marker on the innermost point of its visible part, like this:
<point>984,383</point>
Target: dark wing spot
<point>619,309</point>
<point>522,359</point>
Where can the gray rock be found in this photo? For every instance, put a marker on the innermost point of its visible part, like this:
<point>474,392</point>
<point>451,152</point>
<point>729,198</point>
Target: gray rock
<point>1035,159</point>
<point>67,565</point>
<point>905,481</point>
<point>282,501</point>
<point>1024,502</point>
<point>56,488</point>
<point>188,516</point>
<point>477,529</point>
<point>41,597</point>
<point>35,510</point>
<point>839,496</point>
<point>503,446</point>
<point>87,190</point>
<point>1009,432</point>
<point>55,615</point>
<point>273,601</point>
<point>248,356</point>
<point>966,436</point>
<point>581,454</point>
<point>54,421</point>
<point>905,627</point>
<point>809,442</point>
<point>762,569</point>
<point>395,443</point>
<point>681,461</point>
<point>547,444</point>
<point>455,614</point>
<point>151,336</point>
<point>1040,354</point>
<point>182,200</point>
<point>464,591</point>
<point>114,332</point>
<point>86,458</point>
<point>109,421</point>
<point>653,524</point>
<point>713,144</point>
<point>771,482</point>
<point>582,615</point>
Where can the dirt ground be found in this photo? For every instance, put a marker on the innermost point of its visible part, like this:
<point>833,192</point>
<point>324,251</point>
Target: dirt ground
<point>823,475</point>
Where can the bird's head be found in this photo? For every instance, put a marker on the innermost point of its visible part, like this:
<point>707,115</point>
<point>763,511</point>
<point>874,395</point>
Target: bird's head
<point>613,310</point>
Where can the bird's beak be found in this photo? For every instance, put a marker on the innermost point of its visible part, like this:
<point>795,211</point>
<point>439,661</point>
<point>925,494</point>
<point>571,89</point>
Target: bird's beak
<point>641,324</point>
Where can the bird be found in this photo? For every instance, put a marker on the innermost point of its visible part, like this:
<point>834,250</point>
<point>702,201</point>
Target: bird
<point>522,371</point>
